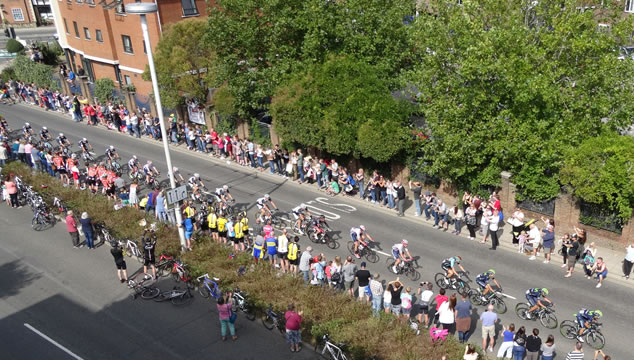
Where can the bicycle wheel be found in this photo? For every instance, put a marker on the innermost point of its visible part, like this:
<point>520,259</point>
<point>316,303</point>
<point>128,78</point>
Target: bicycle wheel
<point>371,256</point>
<point>268,322</point>
<point>249,313</point>
<point>164,270</point>
<point>389,264</point>
<point>568,329</point>
<point>203,290</point>
<point>548,320</point>
<point>332,244</point>
<point>474,297</point>
<point>412,274</point>
<point>176,276</point>
<point>595,339</point>
<point>183,299</point>
<point>37,224</point>
<point>462,287</point>
<point>350,246</point>
<point>312,236</point>
<point>163,296</point>
<point>499,305</point>
<point>521,310</point>
<point>150,293</point>
<point>440,280</point>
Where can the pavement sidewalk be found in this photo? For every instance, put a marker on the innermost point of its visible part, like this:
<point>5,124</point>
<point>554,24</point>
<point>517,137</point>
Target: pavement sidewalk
<point>611,252</point>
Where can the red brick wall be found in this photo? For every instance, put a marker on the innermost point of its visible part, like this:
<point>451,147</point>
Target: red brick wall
<point>27,13</point>
<point>171,11</point>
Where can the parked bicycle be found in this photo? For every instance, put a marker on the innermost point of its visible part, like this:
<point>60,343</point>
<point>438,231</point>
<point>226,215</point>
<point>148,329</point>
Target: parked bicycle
<point>329,350</point>
<point>274,320</point>
<point>364,251</point>
<point>208,287</point>
<point>132,249</point>
<point>457,283</point>
<point>176,296</point>
<point>241,302</point>
<point>593,336</point>
<point>165,265</point>
<point>143,285</point>
<point>406,267</point>
<point>180,273</point>
<point>546,315</point>
<point>495,298</point>
<point>42,218</point>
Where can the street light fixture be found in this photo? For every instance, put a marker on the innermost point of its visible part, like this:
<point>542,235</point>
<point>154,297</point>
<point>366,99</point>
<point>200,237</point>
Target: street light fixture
<point>142,9</point>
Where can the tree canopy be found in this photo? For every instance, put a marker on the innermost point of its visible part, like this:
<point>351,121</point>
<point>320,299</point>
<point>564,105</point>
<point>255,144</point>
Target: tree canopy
<point>510,85</point>
<point>33,72</point>
<point>342,106</point>
<point>601,171</point>
<point>184,63</point>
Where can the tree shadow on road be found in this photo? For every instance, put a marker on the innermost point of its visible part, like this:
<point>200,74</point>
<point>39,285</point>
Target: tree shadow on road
<point>15,276</point>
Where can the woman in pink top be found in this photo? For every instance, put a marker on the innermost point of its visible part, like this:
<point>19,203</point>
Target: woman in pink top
<point>293,327</point>
<point>12,190</point>
<point>224,314</point>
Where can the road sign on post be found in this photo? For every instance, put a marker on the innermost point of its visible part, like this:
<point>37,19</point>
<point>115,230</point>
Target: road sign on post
<point>176,195</point>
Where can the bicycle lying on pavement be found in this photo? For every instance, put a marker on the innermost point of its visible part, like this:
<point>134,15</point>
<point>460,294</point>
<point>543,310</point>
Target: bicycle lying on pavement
<point>241,302</point>
<point>143,285</point>
<point>176,296</point>
<point>329,350</point>
<point>208,287</point>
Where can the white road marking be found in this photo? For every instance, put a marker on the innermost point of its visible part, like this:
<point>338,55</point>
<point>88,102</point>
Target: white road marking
<point>383,253</point>
<point>72,354</point>
<point>329,215</point>
<point>508,296</point>
<point>341,207</point>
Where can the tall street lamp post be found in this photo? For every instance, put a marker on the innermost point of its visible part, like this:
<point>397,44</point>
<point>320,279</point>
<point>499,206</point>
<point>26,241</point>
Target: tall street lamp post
<point>142,9</point>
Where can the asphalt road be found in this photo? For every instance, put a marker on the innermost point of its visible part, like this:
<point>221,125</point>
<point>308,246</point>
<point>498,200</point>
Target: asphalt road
<point>58,302</point>
<point>516,274</point>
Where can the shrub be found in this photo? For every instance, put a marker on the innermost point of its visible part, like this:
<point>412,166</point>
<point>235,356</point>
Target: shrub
<point>104,89</point>
<point>14,46</point>
<point>325,310</point>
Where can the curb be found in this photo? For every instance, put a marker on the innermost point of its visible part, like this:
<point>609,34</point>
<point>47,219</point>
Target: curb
<point>616,279</point>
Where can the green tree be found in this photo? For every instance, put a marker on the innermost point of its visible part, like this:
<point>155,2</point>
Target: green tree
<point>601,171</point>
<point>104,89</point>
<point>224,102</point>
<point>184,63</point>
<point>509,85</point>
<point>14,46</point>
<point>260,42</point>
<point>342,106</point>
<point>32,72</point>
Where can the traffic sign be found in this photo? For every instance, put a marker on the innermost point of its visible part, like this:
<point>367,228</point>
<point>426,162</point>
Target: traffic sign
<point>176,195</point>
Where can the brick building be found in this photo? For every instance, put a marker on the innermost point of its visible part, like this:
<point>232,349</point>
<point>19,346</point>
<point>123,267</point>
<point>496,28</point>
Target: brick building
<point>105,41</point>
<point>18,13</point>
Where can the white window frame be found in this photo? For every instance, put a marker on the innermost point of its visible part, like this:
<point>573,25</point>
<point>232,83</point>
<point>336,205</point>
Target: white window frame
<point>17,11</point>
<point>629,6</point>
<point>87,34</point>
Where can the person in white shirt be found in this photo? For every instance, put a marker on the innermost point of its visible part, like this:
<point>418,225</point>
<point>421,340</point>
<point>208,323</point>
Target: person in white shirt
<point>282,250</point>
<point>494,221</point>
<point>535,238</point>
<point>628,261</point>
<point>517,222</point>
<point>425,298</point>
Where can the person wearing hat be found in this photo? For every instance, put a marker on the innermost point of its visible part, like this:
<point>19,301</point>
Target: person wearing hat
<point>71,226</point>
<point>117,254</point>
<point>86,227</point>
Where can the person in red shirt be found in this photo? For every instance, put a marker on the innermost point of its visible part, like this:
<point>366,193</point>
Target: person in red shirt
<point>71,226</point>
<point>440,298</point>
<point>293,327</point>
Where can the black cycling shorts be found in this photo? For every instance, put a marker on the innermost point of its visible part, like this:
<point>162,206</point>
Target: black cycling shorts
<point>121,265</point>
<point>238,240</point>
<point>149,261</point>
<point>445,265</point>
<point>222,233</point>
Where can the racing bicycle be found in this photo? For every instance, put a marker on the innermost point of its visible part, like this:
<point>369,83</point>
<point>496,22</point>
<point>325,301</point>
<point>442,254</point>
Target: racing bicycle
<point>241,302</point>
<point>457,283</point>
<point>593,336</point>
<point>176,296</point>
<point>329,350</point>
<point>364,251</point>
<point>272,319</point>
<point>42,218</point>
<point>546,314</point>
<point>320,235</point>
<point>406,267</point>
<point>494,298</point>
<point>208,287</point>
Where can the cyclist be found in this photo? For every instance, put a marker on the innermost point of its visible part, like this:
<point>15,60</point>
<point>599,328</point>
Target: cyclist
<point>44,134</point>
<point>212,221</point>
<point>535,297</point>
<point>149,170</point>
<point>149,244</point>
<point>84,146</point>
<point>262,204</point>
<point>585,318</point>
<point>91,177</point>
<point>300,213</point>
<point>244,220</point>
<point>223,194</point>
<point>133,164</point>
<point>178,178</point>
<point>27,130</point>
<point>449,265</point>
<point>358,234</point>
<point>111,155</point>
<point>320,223</point>
<point>400,253</point>
<point>195,182</point>
<point>483,281</point>
<point>62,141</point>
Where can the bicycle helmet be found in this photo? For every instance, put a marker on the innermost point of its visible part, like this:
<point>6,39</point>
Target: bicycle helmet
<point>73,156</point>
<point>322,217</point>
<point>404,242</point>
<point>303,206</point>
<point>27,124</point>
<point>61,134</point>
<point>491,271</point>
<point>225,187</point>
<point>244,214</point>
<point>362,227</point>
<point>134,157</point>
<point>196,175</point>
<point>597,313</point>
<point>111,147</point>
<point>84,139</point>
<point>545,291</point>
<point>458,258</point>
<point>267,196</point>
<point>174,169</point>
<point>44,128</point>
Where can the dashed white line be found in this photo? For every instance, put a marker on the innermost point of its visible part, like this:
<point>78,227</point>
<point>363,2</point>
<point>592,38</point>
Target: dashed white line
<point>59,346</point>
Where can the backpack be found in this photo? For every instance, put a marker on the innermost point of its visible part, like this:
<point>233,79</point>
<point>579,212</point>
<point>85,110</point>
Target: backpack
<point>407,303</point>
<point>336,277</point>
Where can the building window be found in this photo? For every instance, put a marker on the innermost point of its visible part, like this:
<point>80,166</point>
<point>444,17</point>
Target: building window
<point>127,79</point>
<point>78,1</point>
<point>144,49</point>
<point>90,2</point>
<point>127,44</point>
<point>87,33</point>
<point>629,6</point>
<point>120,9</point>
<point>17,14</point>
<point>98,35</point>
<point>189,7</point>
<point>66,27</point>
<point>76,29</point>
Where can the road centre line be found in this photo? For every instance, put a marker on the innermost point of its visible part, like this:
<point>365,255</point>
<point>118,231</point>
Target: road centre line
<point>58,345</point>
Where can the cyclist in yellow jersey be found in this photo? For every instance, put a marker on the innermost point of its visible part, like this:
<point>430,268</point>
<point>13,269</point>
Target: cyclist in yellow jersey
<point>293,251</point>
<point>239,238</point>
<point>242,218</point>
<point>222,229</point>
<point>212,220</point>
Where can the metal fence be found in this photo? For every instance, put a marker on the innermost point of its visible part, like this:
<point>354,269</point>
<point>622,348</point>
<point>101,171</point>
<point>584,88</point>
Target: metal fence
<point>261,129</point>
<point>546,207</point>
<point>599,217</point>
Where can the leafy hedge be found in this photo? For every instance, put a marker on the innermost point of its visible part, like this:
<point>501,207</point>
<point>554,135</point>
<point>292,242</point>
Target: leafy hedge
<point>341,316</point>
